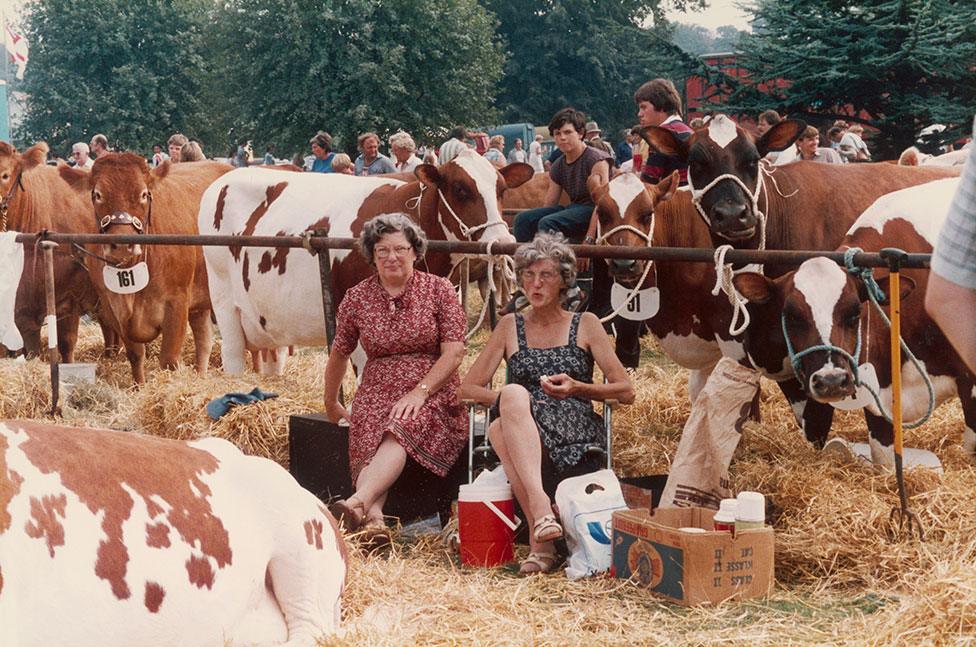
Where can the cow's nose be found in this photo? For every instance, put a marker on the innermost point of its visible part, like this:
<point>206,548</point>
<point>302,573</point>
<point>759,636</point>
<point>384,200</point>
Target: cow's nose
<point>732,214</point>
<point>831,383</point>
<point>623,264</point>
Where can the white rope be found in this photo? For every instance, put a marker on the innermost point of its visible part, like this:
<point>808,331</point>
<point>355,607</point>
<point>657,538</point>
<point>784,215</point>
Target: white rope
<point>647,264</point>
<point>723,283</point>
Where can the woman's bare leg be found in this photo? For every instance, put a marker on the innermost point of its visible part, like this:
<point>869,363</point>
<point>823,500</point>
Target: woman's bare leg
<point>516,441</point>
<point>380,474</point>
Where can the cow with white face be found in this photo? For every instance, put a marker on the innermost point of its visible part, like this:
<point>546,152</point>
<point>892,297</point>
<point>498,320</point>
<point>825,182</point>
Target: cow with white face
<point>818,319</point>
<point>110,538</point>
<point>266,298</point>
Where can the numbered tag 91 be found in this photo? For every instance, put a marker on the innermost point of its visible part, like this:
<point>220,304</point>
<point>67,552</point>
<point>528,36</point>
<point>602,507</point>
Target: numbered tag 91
<point>642,307</point>
<point>126,280</point>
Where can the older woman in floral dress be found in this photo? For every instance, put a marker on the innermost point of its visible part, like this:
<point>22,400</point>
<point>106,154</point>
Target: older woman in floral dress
<point>412,328</point>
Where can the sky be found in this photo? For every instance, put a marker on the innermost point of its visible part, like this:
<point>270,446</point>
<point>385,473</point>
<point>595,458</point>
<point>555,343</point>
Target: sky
<point>719,12</point>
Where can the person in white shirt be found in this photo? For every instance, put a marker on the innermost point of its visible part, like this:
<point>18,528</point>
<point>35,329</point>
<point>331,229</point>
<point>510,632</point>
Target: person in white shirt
<point>535,154</point>
<point>453,146</point>
<point>403,149</point>
<point>79,153</point>
<point>517,154</point>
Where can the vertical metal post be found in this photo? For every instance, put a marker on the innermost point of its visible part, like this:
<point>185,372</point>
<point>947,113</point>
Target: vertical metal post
<point>328,309</point>
<point>325,276</point>
<point>465,280</point>
<point>52,322</point>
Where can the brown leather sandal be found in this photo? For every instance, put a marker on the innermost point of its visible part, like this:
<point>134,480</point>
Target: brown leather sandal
<point>376,534</point>
<point>349,512</point>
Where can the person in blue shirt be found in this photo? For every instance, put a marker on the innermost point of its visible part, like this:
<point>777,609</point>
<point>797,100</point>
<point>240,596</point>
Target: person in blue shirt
<point>321,153</point>
<point>371,161</point>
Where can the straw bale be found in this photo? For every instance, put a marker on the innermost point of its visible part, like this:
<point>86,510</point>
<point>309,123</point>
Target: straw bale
<point>26,391</point>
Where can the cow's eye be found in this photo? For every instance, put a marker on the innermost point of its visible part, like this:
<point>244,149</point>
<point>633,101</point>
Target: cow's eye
<point>97,195</point>
<point>853,316</point>
<point>5,177</point>
<point>461,191</point>
<point>144,196</point>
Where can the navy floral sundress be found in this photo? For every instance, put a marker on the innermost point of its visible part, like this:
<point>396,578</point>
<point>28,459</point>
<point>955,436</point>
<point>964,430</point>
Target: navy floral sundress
<point>568,427</point>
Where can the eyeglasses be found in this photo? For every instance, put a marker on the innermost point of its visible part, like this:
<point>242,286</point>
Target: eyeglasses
<point>545,276</point>
<point>399,250</point>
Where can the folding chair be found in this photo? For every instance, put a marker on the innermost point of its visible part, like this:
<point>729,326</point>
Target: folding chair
<point>481,455</point>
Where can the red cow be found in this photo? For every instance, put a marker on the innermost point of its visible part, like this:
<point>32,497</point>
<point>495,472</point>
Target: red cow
<point>150,290</point>
<point>33,199</point>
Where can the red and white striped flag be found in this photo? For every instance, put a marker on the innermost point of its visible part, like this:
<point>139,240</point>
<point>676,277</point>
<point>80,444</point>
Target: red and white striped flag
<point>16,48</point>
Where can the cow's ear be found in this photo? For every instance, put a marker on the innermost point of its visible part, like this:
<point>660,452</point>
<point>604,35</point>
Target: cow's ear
<point>665,142</point>
<point>428,174</point>
<point>34,156</point>
<point>161,171</point>
<point>755,287</point>
<point>907,285</point>
<point>781,136</point>
<point>517,174</point>
<point>78,179</point>
<point>664,190</point>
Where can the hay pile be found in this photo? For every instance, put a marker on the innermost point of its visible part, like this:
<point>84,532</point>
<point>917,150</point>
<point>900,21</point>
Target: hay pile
<point>841,577</point>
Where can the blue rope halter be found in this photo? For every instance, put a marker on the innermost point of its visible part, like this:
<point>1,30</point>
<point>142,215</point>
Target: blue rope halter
<point>795,357</point>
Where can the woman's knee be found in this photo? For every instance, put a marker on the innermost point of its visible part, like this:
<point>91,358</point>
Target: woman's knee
<point>514,400</point>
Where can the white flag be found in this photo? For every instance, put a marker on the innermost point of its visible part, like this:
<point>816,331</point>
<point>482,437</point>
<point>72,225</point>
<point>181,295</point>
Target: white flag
<point>17,49</point>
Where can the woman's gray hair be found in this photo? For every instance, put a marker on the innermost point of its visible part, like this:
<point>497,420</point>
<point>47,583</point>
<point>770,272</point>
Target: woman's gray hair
<point>391,223</point>
<point>401,139</point>
<point>548,246</point>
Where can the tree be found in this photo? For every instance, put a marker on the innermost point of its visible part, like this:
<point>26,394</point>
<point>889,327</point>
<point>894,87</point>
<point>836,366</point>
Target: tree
<point>904,63</point>
<point>291,68</point>
<point>697,39</point>
<point>126,68</point>
<point>590,55</point>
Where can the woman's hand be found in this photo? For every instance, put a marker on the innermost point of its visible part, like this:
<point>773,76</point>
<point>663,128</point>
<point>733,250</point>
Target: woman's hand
<point>336,412</point>
<point>559,386</point>
<point>409,405</point>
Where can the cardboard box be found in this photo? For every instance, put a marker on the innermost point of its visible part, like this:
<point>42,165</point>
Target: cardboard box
<point>691,568</point>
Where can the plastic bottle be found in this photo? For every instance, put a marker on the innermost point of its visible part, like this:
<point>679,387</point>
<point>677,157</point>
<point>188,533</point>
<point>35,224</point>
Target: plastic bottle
<point>724,519</point>
<point>750,511</point>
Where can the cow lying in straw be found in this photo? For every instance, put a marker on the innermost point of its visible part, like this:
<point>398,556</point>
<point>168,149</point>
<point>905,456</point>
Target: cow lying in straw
<point>110,538</point>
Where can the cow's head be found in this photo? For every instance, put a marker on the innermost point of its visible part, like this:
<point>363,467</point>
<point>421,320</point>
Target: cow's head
<point>12,167</point>
<point>120,185</point>
<point>468,192</point>
<point>625,207</point>
<point>812,318</point>
<point>724,172</point>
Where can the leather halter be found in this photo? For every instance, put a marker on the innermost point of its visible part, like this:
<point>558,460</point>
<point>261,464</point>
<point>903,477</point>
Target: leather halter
<point>5,202</point>
<point>125,218</point>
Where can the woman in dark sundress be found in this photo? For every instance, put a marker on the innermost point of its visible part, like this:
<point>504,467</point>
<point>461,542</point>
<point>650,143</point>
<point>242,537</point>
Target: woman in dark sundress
<point>412,328</point>
<point>545,412</point>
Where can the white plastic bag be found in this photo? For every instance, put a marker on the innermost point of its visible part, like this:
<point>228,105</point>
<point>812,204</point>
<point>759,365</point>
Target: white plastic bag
<point>586,504</point>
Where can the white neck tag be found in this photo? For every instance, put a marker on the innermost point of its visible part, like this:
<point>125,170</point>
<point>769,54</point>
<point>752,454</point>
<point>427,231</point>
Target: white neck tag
<point>128,280</point>
<point>863,397</point>
<point>642,307</point>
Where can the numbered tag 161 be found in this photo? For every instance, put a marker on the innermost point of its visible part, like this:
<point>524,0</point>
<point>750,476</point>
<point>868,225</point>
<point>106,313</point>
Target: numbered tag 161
<point>126,280</point>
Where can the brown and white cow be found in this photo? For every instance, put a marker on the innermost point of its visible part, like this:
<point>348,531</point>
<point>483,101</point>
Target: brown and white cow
<point>820,304</point>
<point>111,538</point>
<point>807,206</point>
<point>129,198</point>
<point>267,298</point>
<point>33,198</point>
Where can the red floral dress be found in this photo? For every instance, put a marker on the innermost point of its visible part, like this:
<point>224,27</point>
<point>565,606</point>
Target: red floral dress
<point>402,337</point>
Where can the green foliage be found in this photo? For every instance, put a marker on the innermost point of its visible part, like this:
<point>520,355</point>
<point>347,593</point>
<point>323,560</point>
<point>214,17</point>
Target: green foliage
<point>905,63</point>
<point>292,68</point>
<point>126,68</point>
<point>591,55</point>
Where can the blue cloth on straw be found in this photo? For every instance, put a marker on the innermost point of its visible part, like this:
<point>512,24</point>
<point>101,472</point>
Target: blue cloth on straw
<point>219,406</point>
